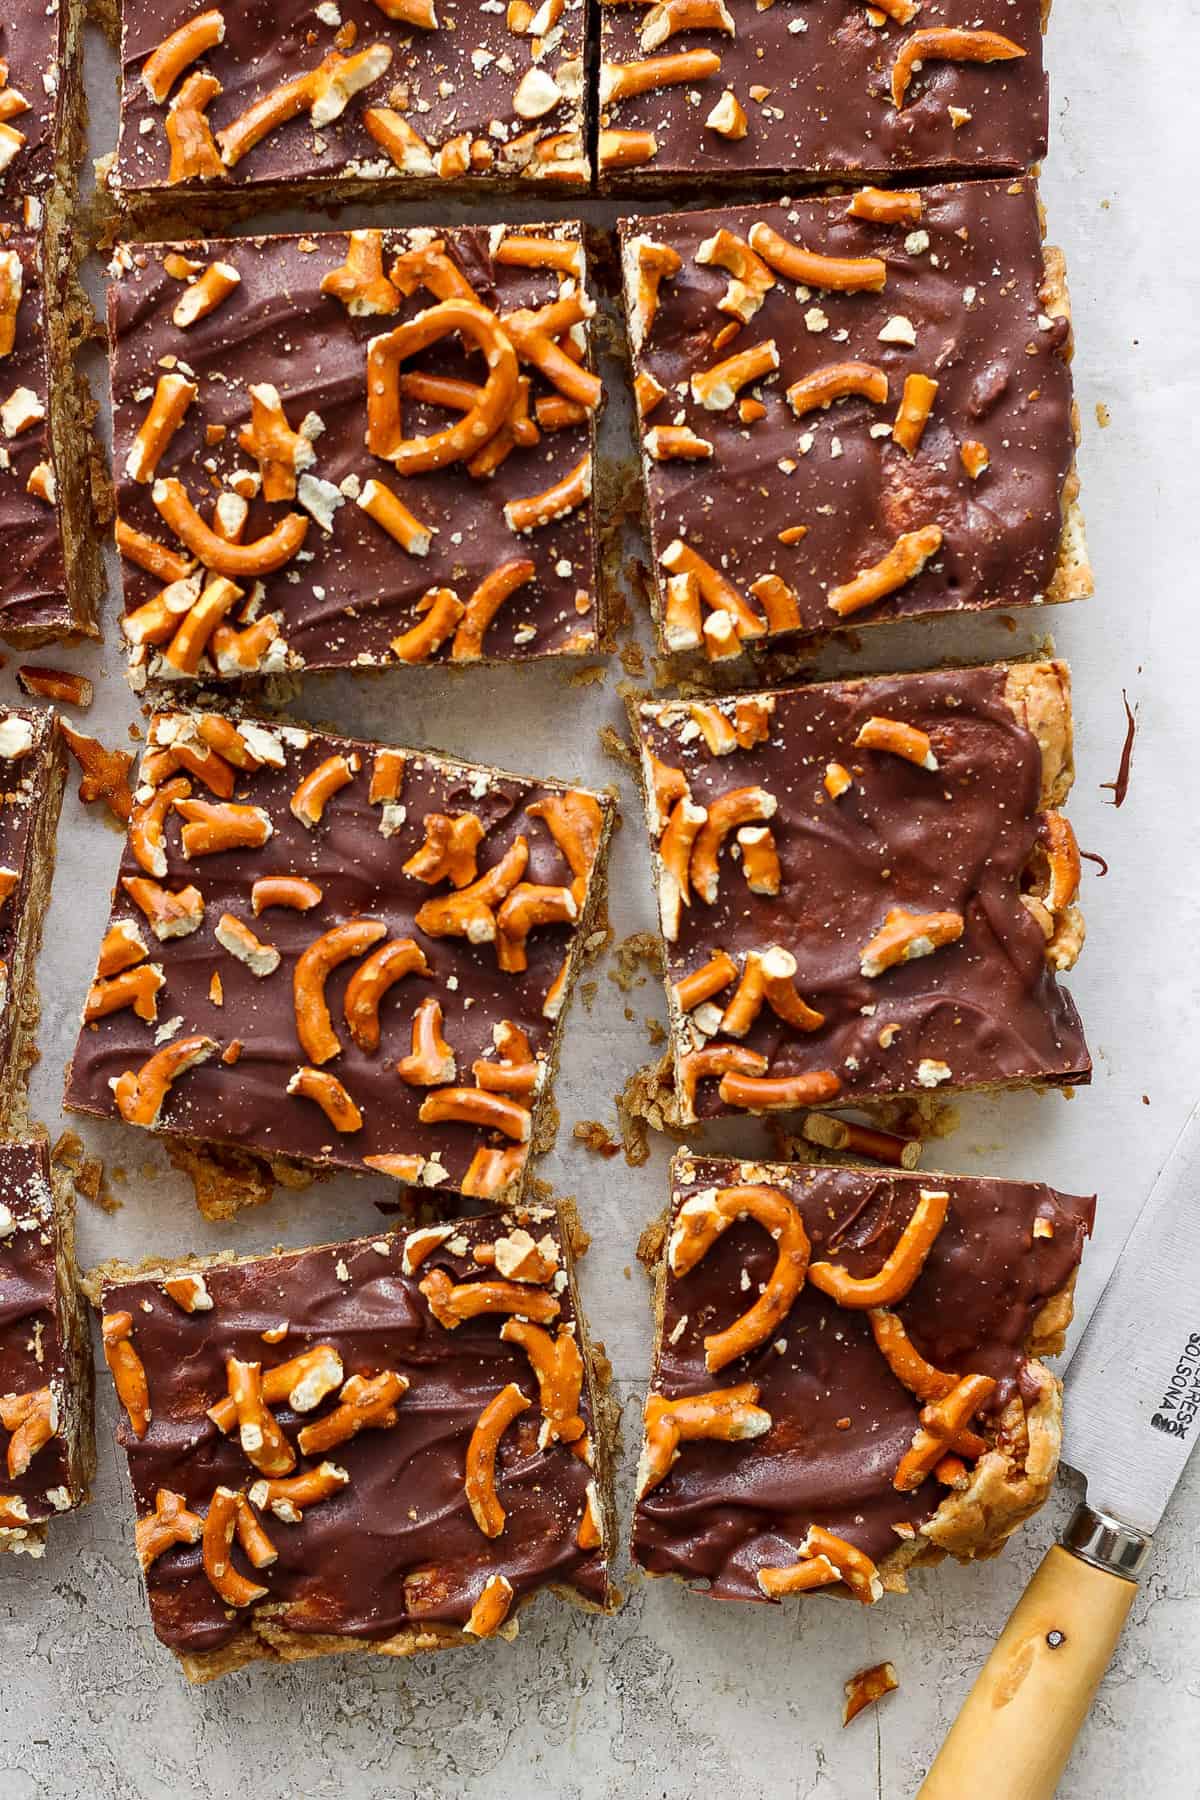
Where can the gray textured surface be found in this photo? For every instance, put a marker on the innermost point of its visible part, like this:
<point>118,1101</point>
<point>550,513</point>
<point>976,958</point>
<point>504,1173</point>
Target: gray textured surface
<point>675,1696</point>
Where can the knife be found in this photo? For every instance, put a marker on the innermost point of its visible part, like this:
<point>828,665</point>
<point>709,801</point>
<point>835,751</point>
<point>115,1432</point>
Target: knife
<point>1132,1418</point>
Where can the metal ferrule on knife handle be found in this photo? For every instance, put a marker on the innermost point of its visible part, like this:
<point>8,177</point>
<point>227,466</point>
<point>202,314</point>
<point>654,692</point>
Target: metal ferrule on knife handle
<point>1104,1542</point>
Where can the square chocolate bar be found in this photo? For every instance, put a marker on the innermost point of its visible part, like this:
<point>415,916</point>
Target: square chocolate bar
<point>867,888</point>
<point>32,775</point>
<point>386,1446</point>
<point>46,1449</point>
<point>45,509</point>
<point>358,99</point>
<point>354,450</point>
<point>340,955</point>
<point>848,1378</point>
<point>741,93</point>
<point>854,409</point>
<point>42,108</point>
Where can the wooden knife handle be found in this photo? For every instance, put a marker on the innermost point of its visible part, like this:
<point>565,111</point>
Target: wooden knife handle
<point>1014,1734</point>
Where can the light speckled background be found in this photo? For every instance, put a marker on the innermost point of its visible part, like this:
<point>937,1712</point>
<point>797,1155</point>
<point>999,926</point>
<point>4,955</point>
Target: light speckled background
<point>677,1696</point>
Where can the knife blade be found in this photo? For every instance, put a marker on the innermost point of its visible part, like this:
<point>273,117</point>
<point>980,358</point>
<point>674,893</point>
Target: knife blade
<point>1132,1418</point>
<point>1131,1411</point>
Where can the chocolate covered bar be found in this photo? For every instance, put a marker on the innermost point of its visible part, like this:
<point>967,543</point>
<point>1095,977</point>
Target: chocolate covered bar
<point>848,1378</point>
<point>41,109</point>
<point>32,774</point>
<point>384,1446</point>
<point>45,514</point>
<point>354,450</point>
<point>728,93</point>
<point>867,888</point>
<point>339,954</point>
<point>853,409</point>
<point>287,102</point>
<point>46,1450</point>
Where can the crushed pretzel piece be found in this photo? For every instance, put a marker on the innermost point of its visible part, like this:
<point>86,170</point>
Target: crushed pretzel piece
<point>867,1687</point>
<point>902,564</point>
<point>104,773</point>
<point>314,965</point>
<point>837,381</point>
<point>947,44</point>
<point>63,685</point>
<point>480,1481</point>
<point>901,1267</point>
<point>452,1305</point>
<point>728,1415</point>
<point>916,404</point>
<point>169,1524</point>
<point>364,1404</point>
<point>853,1139</point>
<point>127,1370</point>
<point>751,279</point>
<point>898,739</point>
<point>140,1094</point>
<point>698,1225</point>
<point>432,1061</point>
<point>941,1425</point>
<point>904,936</point>
<point>205,294</point>
<point>491,1609</point>
<point>220,1525</point>
<point>840,274</point>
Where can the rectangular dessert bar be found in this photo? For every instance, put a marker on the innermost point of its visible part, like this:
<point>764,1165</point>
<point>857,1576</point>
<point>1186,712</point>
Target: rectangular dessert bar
<point>358,450</point>
<point>32,775</point>
<point>847,1378</point>
<point>44,499</point>
<point>742,92</point>
<point>42,114</point>
<point>854,409</point>
<point>867,888</point>
<point>287,102</point>
<point>384,1446</point>
<point>340,954</point>
<point>46,1448</point>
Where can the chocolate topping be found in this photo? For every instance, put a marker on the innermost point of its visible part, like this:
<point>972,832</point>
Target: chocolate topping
<point>404,1510</point>
<point>726,1510</point>
<point>32,1351</point>
<point>460,79</point>
<point>983,1010</point>
<point>32,582</point>
<point>359,872</point>
<point>31,35</point>
<point>352,588</point>
<point>826,66</point>
<point>965,304</point>
<point>30,790</point>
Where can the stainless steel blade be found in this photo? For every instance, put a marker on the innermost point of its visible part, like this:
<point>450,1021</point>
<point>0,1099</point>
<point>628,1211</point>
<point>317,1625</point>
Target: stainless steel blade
<point>1132,1404</point>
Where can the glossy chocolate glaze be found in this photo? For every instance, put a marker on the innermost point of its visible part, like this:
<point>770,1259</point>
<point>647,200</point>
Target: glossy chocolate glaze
<point>342,1570</point>
<point>359,871</point>
<point>436,79</point>
<point>351,589</point>
<point>31,46</point>
<point>33,577</point>
<point>969,280</point>
<point>829,111</point>
<point>29,789</point>
<point>32,1351</point>
<point>956,839</point>
<point>727,1510</point>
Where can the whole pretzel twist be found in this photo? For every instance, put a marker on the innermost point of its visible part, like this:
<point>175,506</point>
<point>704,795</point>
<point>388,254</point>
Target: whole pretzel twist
<point>456,442</point>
